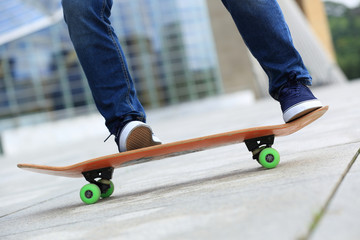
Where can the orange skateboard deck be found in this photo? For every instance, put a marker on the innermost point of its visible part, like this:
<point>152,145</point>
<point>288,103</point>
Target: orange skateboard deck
<point>257,139</point>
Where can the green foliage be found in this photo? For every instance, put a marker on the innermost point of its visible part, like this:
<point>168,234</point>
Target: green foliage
<point>345,28</point>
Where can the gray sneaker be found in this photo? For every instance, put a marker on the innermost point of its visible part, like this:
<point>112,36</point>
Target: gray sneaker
<point>135,135</point>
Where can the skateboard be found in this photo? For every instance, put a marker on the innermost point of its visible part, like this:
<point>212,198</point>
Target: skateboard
<point>98,171</point>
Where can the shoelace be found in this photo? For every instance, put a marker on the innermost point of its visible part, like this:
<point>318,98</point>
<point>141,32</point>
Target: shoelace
<point>292,87</point>
<point>107,137</point>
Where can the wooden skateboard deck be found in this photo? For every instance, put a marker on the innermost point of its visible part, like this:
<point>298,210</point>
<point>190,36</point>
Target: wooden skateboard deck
<point>257,139</point>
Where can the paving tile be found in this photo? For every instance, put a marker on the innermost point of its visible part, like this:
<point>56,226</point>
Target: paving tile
<point>341,219</point>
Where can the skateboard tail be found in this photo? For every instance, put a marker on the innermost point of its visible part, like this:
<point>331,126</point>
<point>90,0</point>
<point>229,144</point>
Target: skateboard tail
<point>55,171</point>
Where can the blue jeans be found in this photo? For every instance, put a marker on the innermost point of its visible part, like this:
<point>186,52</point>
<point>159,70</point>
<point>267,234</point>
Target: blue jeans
<point>103,61</point>
<point>260,22</point>
<point>262,26</point>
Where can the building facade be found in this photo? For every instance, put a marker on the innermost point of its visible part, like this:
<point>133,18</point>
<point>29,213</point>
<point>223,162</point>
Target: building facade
<point>168,45</point>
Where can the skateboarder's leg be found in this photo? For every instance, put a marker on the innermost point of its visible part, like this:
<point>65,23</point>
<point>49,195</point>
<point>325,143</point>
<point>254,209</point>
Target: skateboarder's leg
<point>265,32</point>
<point>104,64</point>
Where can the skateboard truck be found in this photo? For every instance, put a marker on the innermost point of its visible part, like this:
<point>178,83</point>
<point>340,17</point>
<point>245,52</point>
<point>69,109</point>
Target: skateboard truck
<point>97,188</point>
<point>262,150</point>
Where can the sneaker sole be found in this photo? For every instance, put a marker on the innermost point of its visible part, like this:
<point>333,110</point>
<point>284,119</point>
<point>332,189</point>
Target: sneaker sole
<point>301,109</point>
<point>140,137</point>
<point>136,135</point>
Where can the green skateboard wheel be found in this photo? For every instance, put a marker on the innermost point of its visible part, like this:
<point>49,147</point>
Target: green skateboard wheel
<point>109,191</point>
<point>90,193</point>
<point>269,158</point>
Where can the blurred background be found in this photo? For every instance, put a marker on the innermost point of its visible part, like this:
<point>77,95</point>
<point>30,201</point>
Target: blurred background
<point>177,51</point>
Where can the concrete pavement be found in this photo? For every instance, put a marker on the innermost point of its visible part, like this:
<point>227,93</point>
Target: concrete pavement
<point>214,194</point>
